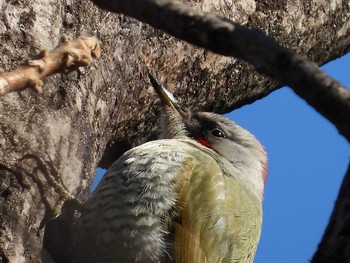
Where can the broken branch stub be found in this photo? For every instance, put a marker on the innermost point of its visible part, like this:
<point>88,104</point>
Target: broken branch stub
<point>69,55</point>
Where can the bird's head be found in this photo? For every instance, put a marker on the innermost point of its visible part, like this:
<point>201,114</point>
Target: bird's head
<point>229,140</point>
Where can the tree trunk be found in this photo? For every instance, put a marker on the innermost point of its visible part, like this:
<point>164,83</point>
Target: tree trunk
<point>90,117</point>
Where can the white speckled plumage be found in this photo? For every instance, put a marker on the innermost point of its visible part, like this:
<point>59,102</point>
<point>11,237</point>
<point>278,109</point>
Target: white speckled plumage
<point>132,200</point>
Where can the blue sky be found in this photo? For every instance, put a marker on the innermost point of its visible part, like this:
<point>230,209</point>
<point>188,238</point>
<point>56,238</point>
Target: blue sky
<point>307,161</point>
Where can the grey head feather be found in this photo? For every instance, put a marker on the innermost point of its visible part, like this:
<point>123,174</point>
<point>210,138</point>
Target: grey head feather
<point>235,144</point>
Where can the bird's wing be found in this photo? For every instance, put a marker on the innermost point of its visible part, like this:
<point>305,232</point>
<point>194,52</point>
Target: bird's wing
<point>218,219</point>
<point>125,217</point>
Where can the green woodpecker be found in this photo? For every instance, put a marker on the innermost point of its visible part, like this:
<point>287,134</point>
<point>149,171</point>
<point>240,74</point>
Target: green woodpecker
<point>193,196</point>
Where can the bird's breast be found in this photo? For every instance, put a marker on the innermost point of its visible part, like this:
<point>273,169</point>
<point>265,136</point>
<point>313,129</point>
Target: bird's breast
<point>219,219</point>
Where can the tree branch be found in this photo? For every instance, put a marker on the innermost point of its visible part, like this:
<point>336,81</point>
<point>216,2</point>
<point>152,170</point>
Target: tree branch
<point>227,38</point>
<point>67,56</point>
<point>334,246</point>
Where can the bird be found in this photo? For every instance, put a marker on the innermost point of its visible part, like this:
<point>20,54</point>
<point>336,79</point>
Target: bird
<point>193,195</point>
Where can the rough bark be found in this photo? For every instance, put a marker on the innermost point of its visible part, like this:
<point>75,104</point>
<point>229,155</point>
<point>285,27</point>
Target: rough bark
<point>101,111</point>
<point>228,38</point>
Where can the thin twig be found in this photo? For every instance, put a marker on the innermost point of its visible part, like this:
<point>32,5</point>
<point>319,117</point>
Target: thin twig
<point>66,57</point>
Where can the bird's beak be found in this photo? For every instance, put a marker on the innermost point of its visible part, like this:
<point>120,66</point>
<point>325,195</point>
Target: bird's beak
<point>166,96</point>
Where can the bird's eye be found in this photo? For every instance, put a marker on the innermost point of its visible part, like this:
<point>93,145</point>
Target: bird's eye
<point>218,133</point>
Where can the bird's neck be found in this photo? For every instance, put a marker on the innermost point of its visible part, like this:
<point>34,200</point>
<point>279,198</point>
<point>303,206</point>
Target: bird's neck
<point>247,170</point>
<point>249,174</point>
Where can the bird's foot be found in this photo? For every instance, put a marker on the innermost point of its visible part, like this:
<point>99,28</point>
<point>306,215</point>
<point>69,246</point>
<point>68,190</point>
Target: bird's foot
<point>54,179</point>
